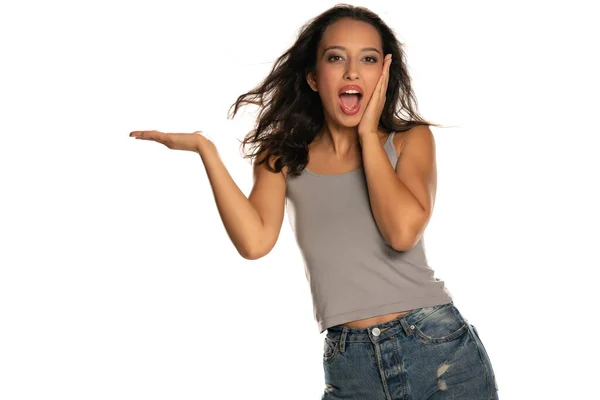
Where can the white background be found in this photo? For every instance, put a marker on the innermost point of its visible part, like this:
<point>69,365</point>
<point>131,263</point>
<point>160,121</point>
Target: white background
<point>117,279</point>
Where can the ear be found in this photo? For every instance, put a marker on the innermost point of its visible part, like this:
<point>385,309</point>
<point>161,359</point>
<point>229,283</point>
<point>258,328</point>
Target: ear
<point>312,81</point>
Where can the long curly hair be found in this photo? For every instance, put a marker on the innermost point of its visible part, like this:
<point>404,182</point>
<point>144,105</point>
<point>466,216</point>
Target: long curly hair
<point>291,114</point>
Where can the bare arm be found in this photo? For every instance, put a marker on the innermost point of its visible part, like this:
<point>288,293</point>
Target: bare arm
<point>402,200</point>
<point>253,223</point>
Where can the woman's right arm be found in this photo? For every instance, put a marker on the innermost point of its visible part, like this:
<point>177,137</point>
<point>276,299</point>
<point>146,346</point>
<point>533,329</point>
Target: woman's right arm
<point>253,223</point>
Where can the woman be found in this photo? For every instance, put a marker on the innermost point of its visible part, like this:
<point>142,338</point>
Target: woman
<point>360,183</point>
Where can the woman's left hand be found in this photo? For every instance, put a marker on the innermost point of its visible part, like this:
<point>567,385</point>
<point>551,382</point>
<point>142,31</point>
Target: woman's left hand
<point>369,123</point>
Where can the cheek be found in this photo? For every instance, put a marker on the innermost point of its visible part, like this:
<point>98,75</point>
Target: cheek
<point>371,81</point>
<point>327,92</point>
<point>324,83</point>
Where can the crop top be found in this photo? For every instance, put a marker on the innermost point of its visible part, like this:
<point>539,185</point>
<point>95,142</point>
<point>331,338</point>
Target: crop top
<point>352,271</point>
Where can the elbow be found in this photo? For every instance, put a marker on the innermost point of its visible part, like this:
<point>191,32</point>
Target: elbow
<point>259,245</point>
<point>251,254</point>
<point>409,235</point>
<point>254,252</point>
<point>404,242</point>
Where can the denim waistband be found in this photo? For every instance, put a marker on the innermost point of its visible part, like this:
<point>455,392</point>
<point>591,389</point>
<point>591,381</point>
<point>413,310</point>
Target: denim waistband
<point>379,332</point>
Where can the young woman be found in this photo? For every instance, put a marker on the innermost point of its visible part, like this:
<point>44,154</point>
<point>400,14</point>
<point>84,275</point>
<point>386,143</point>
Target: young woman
<point>359,182</point>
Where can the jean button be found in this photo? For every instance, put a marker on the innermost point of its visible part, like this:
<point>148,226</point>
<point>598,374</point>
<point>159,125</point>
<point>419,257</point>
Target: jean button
<point>376,331</point>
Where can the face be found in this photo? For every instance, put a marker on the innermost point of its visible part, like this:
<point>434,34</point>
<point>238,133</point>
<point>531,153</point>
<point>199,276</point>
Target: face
<point>350,53</point>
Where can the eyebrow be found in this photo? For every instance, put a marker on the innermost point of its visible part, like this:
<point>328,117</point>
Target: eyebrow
<point>343,48</point>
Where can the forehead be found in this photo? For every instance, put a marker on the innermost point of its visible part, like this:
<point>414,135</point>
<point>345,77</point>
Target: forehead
<point>350,33</point>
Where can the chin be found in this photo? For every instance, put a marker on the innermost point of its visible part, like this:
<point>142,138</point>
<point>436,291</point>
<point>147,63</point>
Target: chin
<point>345,123</point>
<point>349,121</point>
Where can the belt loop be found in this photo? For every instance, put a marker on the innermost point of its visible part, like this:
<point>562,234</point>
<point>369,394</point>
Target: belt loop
<point>343,338</point>
<point>406,327</point>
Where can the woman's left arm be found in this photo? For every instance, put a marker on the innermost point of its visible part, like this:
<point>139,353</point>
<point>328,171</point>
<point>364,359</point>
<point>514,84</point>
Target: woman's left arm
<point>402,200</point>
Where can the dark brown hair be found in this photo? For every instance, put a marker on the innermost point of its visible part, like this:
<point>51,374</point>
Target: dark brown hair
<point>291,114</point>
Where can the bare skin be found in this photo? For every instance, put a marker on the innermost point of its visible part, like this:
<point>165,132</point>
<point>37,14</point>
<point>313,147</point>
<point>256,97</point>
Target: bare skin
<point>337,149</point>
<point>322,160</point>
<point>359,60</point>
<point>368,322</point>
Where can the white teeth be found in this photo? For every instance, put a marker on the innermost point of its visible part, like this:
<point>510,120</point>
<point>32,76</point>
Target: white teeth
<point>351,92</point>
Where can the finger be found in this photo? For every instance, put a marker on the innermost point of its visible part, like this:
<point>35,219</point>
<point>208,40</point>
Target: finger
<point>145,137</point>
<point>389,66</point>
<point>148,135</point>
<point>387,74</point>
<point>382,84</point>
<point>138,133</point>
<point>141,134</point>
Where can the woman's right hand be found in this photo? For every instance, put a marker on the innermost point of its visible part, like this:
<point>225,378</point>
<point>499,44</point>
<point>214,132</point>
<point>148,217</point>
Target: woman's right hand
<point>174,141</point>
<point>252,222</point>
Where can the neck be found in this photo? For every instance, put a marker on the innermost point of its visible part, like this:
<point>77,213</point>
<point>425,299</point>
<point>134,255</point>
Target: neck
<point>341,141</point>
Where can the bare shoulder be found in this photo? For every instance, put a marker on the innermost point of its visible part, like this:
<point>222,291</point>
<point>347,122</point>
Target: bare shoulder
<point>259,169</point>
<point>402,138</point>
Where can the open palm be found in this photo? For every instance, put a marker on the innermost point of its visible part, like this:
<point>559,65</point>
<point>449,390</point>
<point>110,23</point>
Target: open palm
<point>174,141</point>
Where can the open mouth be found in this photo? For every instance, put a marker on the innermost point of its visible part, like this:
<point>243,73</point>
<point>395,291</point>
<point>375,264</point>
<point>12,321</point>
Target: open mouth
<point>350,103</point>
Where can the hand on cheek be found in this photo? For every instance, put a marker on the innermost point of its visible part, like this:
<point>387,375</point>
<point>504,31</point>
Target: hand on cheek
<point>369,122</point>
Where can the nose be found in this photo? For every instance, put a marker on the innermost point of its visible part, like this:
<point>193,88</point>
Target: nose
<point>351,70</point>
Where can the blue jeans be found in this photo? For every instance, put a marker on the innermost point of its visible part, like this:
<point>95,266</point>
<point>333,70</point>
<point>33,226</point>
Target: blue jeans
<point>428,353</point>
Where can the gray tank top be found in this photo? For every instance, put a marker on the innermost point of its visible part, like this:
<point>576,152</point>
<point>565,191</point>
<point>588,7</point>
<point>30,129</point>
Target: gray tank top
<point>352,271</point>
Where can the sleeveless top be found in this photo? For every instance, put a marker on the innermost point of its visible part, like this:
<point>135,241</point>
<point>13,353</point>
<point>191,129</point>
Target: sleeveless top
<point>352,271</point>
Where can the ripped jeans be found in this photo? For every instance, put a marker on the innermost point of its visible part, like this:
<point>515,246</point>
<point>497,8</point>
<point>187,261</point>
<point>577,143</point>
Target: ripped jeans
<point>429,353</point>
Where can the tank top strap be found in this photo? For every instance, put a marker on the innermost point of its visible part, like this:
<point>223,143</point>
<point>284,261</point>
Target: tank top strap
<point>391,150</point>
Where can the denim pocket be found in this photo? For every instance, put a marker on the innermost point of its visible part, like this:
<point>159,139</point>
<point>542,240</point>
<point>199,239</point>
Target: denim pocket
<point>444,324</point>
<point>330,349</point>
